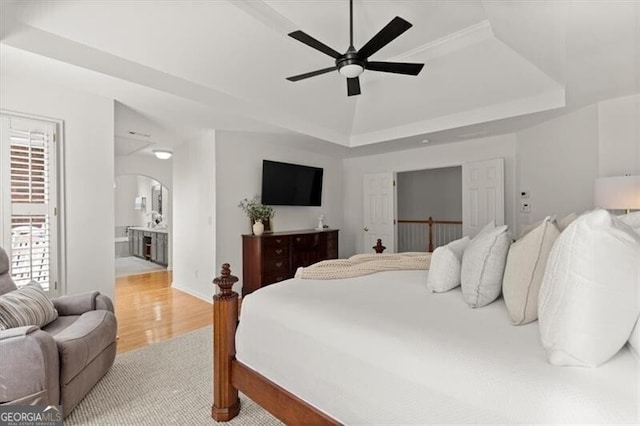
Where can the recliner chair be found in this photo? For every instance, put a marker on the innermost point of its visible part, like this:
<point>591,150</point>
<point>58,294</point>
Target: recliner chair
<point>60,363</point>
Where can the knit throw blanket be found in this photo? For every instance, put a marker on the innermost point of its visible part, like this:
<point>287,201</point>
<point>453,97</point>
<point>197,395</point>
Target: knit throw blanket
<point>364,264</point>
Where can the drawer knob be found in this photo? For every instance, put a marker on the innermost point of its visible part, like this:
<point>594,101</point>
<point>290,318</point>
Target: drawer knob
<point>278,264</point>
<point>298,239</point>
<point>278,240</point>
<point>278,251</point>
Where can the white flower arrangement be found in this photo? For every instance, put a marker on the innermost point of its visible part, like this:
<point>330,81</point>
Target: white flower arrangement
<point>256,210</point>
<point>156,219</point>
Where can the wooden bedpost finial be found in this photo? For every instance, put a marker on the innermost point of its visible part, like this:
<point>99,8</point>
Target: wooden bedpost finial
<point>379,248</point>
<point>226,404</point>
<point>225,281</point>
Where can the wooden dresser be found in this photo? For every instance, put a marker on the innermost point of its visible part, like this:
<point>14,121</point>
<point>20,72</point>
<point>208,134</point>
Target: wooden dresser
<point>269,258</point>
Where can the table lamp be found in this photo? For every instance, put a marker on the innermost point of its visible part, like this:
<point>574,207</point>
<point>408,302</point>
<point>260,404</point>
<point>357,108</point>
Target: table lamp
<point>618,193</point>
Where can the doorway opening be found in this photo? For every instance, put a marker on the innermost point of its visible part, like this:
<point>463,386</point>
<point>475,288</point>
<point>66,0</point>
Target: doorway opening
<point>429,208</point>
<point>142,210</point>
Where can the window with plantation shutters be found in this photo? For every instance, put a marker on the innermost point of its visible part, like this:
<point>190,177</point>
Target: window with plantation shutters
<point>29,232</point>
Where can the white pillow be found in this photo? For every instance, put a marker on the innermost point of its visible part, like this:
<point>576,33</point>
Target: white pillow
<point>487,228</point>
<point>566,221</point>
<point>524,271</point>
<point>446,261</point>
<point>589,296</point>
<point>536,224</point>
<point>483,266</point>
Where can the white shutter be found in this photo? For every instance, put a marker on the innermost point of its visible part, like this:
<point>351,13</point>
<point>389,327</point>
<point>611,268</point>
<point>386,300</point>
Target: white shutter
<point>28,162</point>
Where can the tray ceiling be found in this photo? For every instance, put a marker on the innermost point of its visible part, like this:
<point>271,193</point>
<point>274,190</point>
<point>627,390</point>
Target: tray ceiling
<point>223,64</point>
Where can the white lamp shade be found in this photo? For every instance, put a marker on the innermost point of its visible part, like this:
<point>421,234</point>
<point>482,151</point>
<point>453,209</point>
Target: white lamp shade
<point>618,192</point>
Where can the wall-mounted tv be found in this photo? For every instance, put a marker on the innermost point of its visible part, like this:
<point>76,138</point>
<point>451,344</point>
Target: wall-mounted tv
<point>285,184</point>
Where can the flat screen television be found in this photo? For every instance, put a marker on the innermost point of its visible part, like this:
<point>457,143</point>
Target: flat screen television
<point>285,184</point>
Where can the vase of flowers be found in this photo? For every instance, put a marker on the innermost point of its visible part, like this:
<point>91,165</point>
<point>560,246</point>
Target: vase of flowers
<point>256,211</point>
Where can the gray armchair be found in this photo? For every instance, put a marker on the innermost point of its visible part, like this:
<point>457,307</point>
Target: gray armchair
<point>60,363</point>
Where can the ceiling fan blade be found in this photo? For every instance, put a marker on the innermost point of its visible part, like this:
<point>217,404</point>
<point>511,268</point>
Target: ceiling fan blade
<point>311,74</point>
<point>353,86</point>
<point>395,67</point>
<point>386,35</point>
<point>312,42</point>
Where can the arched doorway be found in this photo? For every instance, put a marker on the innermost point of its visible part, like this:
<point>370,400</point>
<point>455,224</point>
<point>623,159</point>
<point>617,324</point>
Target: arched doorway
<point>142,216</point>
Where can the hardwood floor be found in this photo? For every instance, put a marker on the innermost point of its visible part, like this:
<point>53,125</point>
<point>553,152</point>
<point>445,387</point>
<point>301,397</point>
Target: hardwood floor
<point>149,310</point>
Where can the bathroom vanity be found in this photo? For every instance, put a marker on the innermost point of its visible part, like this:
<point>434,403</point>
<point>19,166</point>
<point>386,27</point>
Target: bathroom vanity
<point>151,244</point>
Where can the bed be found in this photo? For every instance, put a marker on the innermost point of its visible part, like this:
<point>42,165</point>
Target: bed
<point>381,349</point>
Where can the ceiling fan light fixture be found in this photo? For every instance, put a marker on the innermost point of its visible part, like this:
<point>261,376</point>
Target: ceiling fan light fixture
<point>351,70</point>
<point>353,62</point>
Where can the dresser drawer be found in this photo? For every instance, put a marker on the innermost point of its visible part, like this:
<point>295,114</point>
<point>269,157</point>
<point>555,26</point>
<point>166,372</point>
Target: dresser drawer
<point>275,266</point>
<point>305,241</point>
<point>275,252</point>
<point>275,242</point>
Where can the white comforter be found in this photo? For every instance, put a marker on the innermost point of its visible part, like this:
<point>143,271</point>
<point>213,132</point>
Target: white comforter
<point>381,349</point>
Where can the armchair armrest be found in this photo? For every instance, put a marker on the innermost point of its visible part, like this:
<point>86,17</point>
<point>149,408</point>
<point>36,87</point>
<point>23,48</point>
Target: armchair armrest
<point>17,332</point>
<point>78,304</point>
<point>30,367</point>
<point>104,303</point>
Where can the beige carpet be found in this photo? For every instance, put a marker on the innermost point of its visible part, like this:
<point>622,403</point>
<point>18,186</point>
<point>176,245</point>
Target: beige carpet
<point>168,383</point>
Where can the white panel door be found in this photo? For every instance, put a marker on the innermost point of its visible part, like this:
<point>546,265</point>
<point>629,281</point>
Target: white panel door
<point>482,194</point>
<point>379,211</point>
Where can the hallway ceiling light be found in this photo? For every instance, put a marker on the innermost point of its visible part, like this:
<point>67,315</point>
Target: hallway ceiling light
<point>162,154</point>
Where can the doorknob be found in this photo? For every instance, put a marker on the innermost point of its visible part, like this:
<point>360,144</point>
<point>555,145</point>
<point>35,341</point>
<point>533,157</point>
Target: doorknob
<point>366,229</point>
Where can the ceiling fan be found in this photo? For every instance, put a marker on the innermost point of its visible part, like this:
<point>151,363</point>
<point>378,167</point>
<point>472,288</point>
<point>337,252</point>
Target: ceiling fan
<point>353,62</point>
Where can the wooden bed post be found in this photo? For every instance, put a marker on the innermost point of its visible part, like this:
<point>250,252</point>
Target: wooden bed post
<point>379,248</point>
<point>226,404</point>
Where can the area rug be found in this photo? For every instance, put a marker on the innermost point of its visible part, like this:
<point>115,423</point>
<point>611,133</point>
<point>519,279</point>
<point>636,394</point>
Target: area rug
<point>167,383</point>
<point>127,266</point>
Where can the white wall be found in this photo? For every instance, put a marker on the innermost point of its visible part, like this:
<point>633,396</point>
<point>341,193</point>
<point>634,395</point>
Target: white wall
<point>239,158</point>
<point>558,164</point>
<point>453,154</point>
<point>619,136</point>
<point>146,165</point>
<point>128,187</point>
<point>559,160</point>
<point>88,173</point>
<point>194,215</point>
<point>433,193</point>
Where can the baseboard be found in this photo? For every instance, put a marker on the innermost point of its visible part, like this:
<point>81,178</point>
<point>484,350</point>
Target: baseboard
<point>206,298</point>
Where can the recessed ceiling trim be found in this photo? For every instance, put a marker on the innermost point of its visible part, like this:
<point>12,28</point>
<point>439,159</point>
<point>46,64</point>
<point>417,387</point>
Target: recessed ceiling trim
<point>266,15</point>
<point>546,101</point>
<point>459,40</point>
